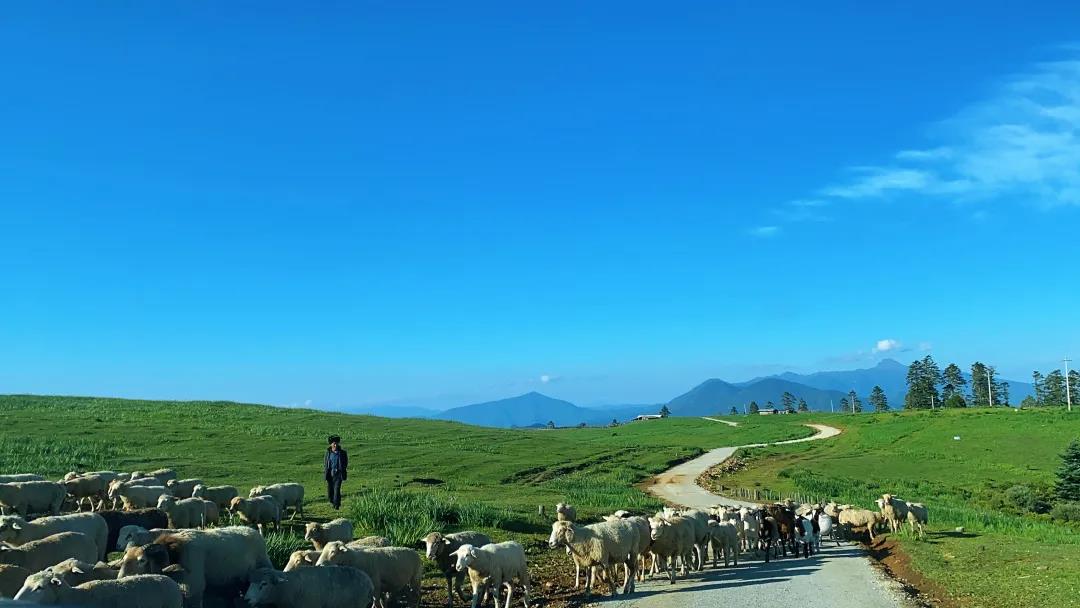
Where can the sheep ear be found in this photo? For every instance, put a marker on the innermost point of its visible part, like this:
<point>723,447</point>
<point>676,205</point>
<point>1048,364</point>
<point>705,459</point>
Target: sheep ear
<point>78,570</point>
<point>16,526</point>
<point>446,541</point>
<point>472,552</point>
<point>55,581</point>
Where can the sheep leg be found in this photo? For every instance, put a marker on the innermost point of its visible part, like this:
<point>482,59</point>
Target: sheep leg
<point>509,594</point>
<point>670,565</point>
<point>525,587</point>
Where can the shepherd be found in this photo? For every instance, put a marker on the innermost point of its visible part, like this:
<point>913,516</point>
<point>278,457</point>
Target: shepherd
<point>335,469</point>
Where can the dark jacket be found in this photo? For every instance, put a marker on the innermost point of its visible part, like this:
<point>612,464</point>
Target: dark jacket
<point>343,458</point>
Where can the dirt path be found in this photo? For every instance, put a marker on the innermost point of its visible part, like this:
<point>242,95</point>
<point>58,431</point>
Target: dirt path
<point>838,577</point>
<point>727,422</point>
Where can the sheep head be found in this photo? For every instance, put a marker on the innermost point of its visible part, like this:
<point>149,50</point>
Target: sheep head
<point>147,559</point>
<point>10,526</point>
<point>334,552</point>
<point>562,533</point>
<point>466,554</point>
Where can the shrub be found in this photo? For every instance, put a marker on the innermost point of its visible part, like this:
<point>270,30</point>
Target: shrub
<point>1024,499</point>
<point>405,516</point>
<point>1066,511</point>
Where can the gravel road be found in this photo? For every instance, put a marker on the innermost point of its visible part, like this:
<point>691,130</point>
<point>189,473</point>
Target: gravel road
<point>838,577</point>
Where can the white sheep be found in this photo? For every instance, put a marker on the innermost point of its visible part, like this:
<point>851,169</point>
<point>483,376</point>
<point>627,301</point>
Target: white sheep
<point>565,512</point>
<point>219,495</point>
<point>392,569</point>
<point>750,534</point>
<point>370,541</point>
<point>860,518</point>
<point>600,546</point>
<point>287,495</point>
<point>304,558</point>
<point>724,537</point>
<point>894,510</point>
<point>19,477</point>
<point>644,537</point>
<point>440,549</point>
<point>320,534</point>
<point>918,515</point>
<point>11,579</point>
<point>700,520</point>
<point>826,526</point>
<point>182,488</point>
<point>147,591</point>
<point>135,496</point>
<point>327,587</point>
<point>18,531</point>
<point>40,554</point>
<point>189,512</point>
<point>218,557</point>
<point>162,475</point>
<point>88,487</point>
<point>75,572</point>
<point>497,564</point>
<point>259,511</point>
<point>26,497</point>
<point>673,543</point>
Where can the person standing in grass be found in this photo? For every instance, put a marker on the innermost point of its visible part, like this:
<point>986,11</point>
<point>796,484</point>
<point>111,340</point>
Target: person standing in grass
<point>335,469</point>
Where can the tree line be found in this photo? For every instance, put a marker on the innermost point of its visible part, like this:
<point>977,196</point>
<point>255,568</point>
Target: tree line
<point>1050,389</point>
<point>931,387</point>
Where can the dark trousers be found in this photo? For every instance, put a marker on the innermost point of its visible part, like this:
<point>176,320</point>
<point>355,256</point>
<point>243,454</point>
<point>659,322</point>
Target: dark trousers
<point>333,490</point>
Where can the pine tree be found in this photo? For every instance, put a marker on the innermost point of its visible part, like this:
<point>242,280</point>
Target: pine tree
<point>953,380</point>
<point>1074,384</point>
<point>754,407</point>
<point>878,400</point>
<point>913,400</point>
<point>1067,487</point>
<point>1001,393</point>
<point>770,406</point>
<point>1054,388</point>
<point>853,404</point>
<point>734,411</point>
<point>803,407</point>
<point>1039,389</point>
<point>551,424</point>
<point>665,412</point>
<point>787,400</point>
<point>980,395</point>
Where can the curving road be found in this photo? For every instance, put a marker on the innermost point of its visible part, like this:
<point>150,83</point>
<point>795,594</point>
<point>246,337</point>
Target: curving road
<point>838,577</point>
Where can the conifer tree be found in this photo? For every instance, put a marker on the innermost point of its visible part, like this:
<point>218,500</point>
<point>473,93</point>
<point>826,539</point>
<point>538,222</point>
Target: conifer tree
<point>878,400</point>
<point>1067,487</point>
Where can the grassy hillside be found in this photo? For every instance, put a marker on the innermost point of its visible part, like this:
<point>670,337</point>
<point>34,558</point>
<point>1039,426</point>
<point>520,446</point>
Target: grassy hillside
<point>1008,555</point>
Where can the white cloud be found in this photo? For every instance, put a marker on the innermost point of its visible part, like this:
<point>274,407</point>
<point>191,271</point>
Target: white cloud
<point>545,378</point>
<point>1022,141</point>
<point>886,345</point>
<point>764,231</point>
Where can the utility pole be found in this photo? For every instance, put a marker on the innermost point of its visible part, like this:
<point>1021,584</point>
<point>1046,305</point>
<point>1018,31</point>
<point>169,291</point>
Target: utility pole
<point>989,386</point>
<point>1068,394</point>
<point>831,408</point>
<point>852,401</point>
<point>931,400</point>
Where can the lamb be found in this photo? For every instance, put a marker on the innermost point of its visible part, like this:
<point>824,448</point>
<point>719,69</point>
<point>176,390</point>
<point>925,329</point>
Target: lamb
<point>320,534</point>
<point>370,541</point>
<point>18,531</point>
<point>139,536</point>
<point>497,564</point>
<point>565,512</point>
<point>219,495</point>
<point>147,591</point>
<point>287,495</point>
<point>189,512</point>
<point>602,546</point>
<point>40,554</point>
<point>26,497</point>
<point>392,569</point>
<point>672,542</point>
<point>182,488</point>
<point>329,587</point>
<point>302,559</point>
<point>219,557</point>
<point>750,533</point>
<point>87,487</point>
<point>11,579</point>
<point>894,510</point>
<point>20,477</point>
<point>724,537</point>
<point>860,518</point>
<point>918,515</point>
<point>74,572</point>
<point>258,511</point>
<point>135,496</point>
<point>440,549</point>
<point>148,519</point>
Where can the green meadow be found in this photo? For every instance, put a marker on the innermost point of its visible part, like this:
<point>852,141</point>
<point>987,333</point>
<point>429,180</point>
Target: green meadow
<point>980,469</point>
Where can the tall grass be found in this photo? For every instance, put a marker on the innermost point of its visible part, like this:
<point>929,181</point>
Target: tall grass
<point>405,516</point>
<point>280,544</point>
<point>56,456</point>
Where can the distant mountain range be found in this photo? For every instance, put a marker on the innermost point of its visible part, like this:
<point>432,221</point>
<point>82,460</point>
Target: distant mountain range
<point>821,390</point>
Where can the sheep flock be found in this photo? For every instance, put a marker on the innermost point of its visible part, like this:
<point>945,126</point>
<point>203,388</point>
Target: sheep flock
<point>178,542</point>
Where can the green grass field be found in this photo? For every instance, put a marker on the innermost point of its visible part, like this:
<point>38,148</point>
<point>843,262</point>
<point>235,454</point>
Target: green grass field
<point>1005,558</point>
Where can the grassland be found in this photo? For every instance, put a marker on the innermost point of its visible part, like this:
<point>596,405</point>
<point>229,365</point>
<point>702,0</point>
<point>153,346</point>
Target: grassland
<point>1005,557</point>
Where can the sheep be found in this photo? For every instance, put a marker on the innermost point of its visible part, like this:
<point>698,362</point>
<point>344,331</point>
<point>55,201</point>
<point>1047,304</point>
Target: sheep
<point>219,557</point>
<point>370,541</point>
<point>497,565</point>
<point>672,541</point>
<point>894,510</point>
<point>329,587</point>
<point>257,512</point>
<point>26,497</point>
<point>138,536</point>
<point>825,526</point>
<point>219,495</point>
<point>918,515</point>
<point>147,591</point>
<point>148,519</point>
<point>11,579</point>
<point>440,549</point>
<point>859,518</point>
<point>700,520</point>
<point>18,531</point>
<point>87,487</point>
<point>162,475</point>
<point>74,572</point>
<point>320,534</point>
<point>805,536</point>
<point>602,545</point>
<point>392,569</point>
<point>20,477</point>
<point>287,495</point>
<point>768,533</point>
<point>644,537</point>
<point>565,512</point>
<point>135,496</point>
<point>182,488</point>
<point>189,512</point>
<point>724,537</point>
<point>303,558</point>
<point>750,530</point>
<point>40,554</point>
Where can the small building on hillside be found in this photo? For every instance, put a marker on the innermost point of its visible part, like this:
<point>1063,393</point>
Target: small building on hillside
<point>647,417</point>
<point>769,412</point>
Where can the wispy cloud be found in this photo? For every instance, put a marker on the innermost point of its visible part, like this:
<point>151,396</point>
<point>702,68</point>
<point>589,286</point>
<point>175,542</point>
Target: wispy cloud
<point>764,231</point>
<point>1023,140</point>
<point>886,345</point>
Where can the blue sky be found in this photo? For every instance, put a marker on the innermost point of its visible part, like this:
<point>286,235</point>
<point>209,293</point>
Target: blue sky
<point>436,203</point>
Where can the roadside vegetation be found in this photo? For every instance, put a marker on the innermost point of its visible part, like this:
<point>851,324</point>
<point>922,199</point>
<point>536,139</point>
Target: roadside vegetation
<point>992,471</point>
